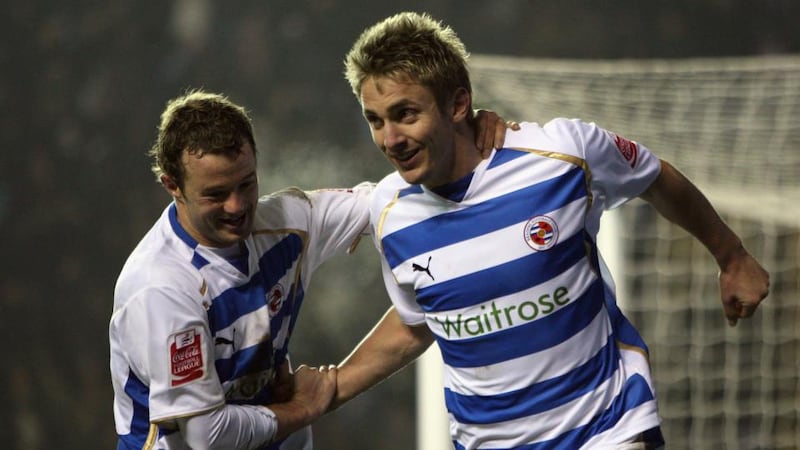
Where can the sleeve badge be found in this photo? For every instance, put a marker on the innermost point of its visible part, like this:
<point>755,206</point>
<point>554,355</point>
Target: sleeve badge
<point>186,357</point>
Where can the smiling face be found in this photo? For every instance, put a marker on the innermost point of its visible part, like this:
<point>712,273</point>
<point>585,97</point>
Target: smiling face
<point>218,199</point>
<point>416,136</point>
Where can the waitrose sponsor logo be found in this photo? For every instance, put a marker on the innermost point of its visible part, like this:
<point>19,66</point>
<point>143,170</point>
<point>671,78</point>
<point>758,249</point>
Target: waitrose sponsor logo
<point>494,318</point>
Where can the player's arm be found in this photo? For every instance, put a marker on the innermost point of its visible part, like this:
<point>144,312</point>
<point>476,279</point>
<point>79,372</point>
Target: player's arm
<point>252,426</point>
<point>387,348</point>
<point>743,282</point>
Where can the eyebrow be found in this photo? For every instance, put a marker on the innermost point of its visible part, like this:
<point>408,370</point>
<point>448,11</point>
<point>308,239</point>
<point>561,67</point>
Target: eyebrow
<point>401,104</point>
<point>252,176</point>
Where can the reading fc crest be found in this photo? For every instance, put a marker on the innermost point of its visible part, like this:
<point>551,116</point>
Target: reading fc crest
<point>275,299</point>
<point>541,233</point>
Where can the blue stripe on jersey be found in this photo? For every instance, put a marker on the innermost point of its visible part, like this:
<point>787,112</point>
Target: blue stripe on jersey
<point>488,216</point>
<point>521,340</point>
<point>634,393</point>
<point>623,329</point>
<point>139,394</point>
<point>413,189</point>
<point>536,398</point>
<point>296,303</point>
<point>241,300</point>
<point>245,361</point>
<point>235,303</point>
<point>276,262</point>
<point>178,229</point>
<point>503,279</point>
<point>198,261</point>
<point>504,156</point>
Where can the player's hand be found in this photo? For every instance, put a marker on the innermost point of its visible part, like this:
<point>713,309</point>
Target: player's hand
<point>314,388</point>
<point>490,131</point>
<point>743,285</point>
<point>282,385</point>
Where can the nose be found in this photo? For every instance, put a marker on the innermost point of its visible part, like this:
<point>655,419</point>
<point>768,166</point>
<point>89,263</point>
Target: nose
<point>235,203</point>
<point>393,138</point>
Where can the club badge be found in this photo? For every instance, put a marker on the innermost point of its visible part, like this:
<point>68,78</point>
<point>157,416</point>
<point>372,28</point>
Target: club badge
<point>541,233</point>
<point>275,299</point>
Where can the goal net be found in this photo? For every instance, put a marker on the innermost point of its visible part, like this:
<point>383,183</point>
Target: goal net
<point>732,125</point>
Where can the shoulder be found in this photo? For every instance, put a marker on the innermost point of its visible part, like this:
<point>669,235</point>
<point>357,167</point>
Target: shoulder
<point>161,260</point>
<point>156,268</point>
<point>388,189</point>
<point>294,207</point>
<point>562,135</point>
<point>391,183</point>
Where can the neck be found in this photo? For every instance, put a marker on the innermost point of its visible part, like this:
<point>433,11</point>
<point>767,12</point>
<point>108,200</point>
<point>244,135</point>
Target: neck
<point>467,154</point>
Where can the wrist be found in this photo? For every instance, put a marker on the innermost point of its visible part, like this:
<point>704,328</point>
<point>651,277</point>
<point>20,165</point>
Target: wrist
<point>728,253</point>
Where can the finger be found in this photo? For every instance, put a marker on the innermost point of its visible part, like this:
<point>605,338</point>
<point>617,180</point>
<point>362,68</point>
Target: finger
<point>283,370</point>
<point>746,310</point>
<point>490,138</point>
<point>498,136</point>
<point>731,313</point>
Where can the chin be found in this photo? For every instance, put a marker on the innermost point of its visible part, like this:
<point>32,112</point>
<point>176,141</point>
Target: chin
<point>411,177</point>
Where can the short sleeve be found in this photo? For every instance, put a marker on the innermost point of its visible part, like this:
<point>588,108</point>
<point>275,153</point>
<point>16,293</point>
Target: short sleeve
<point>621,169</point>
<point>167,341</point>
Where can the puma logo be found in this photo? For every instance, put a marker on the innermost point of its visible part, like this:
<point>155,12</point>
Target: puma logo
<point>417,268</point>
<point>219,340</point>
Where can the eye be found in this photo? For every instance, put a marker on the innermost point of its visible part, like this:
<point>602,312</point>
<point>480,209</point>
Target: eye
<point>247,185</point>
<point>407,115</point>
<point>373,121</point>
<point>215,196</point>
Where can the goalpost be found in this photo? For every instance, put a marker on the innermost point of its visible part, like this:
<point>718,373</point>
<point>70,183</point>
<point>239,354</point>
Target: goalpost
<point>732,125</point>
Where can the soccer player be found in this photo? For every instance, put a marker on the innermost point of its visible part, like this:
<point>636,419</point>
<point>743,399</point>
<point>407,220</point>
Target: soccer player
<point>206,303</point>
<point>495,259</point>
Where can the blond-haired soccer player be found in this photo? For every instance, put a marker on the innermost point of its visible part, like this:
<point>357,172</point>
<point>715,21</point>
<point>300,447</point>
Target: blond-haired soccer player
<point>495,259</point>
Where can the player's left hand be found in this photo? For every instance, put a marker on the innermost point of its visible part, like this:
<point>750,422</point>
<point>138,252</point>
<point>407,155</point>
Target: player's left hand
<point>490,131</point>
<point>743,285</point>
<point>282,385</point>
<point>315,388</point>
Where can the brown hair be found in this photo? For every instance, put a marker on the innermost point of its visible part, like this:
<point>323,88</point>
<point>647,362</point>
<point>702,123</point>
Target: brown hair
<point>198,122</point>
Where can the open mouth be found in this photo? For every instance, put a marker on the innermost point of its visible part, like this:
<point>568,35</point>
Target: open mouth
<point>405,157</point>
<point>234,222</point>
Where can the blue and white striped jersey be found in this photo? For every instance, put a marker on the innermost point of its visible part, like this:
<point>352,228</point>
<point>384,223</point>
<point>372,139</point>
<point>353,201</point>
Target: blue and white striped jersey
<point>505,272</point>
<point>190,331</point>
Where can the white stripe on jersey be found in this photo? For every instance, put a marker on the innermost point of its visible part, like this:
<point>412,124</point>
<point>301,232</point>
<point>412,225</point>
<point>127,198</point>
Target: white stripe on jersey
<point>577,280</point>
<point>502,182</point>
<point>642,415</point>
<point>509,238</point>
<point>257,322</point>
<point>550,424</point>
<point>519,373</point>
<point>503,179</point>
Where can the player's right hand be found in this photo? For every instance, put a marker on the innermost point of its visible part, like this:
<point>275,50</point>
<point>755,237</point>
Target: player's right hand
<point>743,285</point>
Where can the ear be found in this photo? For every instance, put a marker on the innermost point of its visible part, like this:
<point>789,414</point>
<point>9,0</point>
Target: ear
<point>172,187</point>
<point>462,105</point>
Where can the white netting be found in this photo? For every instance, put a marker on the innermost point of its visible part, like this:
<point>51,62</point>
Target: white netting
<point>733,126</point>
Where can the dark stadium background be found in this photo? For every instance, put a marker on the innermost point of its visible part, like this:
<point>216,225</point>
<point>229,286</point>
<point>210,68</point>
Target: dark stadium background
<point>83,83</point>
